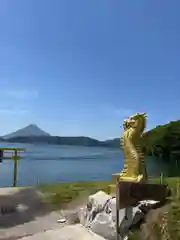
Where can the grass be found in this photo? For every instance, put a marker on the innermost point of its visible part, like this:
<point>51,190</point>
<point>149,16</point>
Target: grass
<point>61,194</point>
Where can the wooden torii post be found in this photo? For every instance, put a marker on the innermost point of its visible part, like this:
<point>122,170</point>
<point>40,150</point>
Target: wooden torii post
<point>15,157</point>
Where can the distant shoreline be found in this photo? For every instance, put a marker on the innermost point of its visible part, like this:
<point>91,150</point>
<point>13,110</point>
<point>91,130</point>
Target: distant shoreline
<point>71,141</point>
<point>162,141</point>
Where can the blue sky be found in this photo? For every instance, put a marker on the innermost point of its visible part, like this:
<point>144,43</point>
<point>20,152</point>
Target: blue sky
<point>81,67</point>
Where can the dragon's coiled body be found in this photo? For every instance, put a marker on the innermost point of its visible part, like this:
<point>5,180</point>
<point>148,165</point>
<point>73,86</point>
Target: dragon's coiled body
<point>134,166</point>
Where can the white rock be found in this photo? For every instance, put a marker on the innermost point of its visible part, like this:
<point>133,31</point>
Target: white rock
<point>62,220</point>
<point>101,217</point>
<point>99,199</point>
<point>112,206</point>
<point>82,214</point>
<point>148,202</point>
<point>104,226</point>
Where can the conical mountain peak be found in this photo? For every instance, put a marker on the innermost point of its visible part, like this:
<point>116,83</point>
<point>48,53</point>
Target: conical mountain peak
<point>30,130</point>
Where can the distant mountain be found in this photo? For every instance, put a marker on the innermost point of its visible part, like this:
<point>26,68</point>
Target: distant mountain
<point>33,134</point>
<point>113,142</point>
<point>72,141</point>
<point>28,131</point>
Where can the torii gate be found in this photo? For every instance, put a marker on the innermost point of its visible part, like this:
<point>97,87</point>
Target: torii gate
<point>15,157</point>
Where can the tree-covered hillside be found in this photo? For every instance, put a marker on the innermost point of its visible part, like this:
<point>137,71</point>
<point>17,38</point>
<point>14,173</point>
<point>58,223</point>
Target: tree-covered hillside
<point>163,141</point>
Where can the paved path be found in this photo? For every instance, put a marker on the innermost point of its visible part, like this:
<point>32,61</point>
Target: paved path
<point>35,218</point>
<point>40,224</point>
<point>70,232</point>
<point>48,228</point>
<point>37,222</point>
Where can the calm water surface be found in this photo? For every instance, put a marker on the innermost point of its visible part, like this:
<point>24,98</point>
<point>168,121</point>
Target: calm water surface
<point>52,163</point>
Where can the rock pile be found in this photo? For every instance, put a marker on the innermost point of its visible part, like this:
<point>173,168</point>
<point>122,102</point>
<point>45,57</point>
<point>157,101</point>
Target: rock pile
<point>99,215</point>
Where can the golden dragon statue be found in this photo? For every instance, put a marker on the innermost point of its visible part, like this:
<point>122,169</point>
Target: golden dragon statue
<point>134,165</point>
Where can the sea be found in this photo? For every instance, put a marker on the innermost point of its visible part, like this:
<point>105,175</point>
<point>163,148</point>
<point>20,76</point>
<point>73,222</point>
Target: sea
<point>42,164</point>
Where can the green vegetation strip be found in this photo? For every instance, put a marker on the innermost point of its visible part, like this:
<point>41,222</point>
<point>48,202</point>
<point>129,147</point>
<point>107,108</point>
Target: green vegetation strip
<point>60,194</point>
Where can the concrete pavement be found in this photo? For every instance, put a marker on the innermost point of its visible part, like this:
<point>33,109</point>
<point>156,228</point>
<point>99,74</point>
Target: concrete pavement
<point>69,232</point>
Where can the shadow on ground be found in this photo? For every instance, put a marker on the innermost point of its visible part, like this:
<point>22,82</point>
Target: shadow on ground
<point>33,207</point>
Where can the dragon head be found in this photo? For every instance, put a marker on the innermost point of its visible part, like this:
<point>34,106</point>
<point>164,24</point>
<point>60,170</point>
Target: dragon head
<point>138,122</point>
